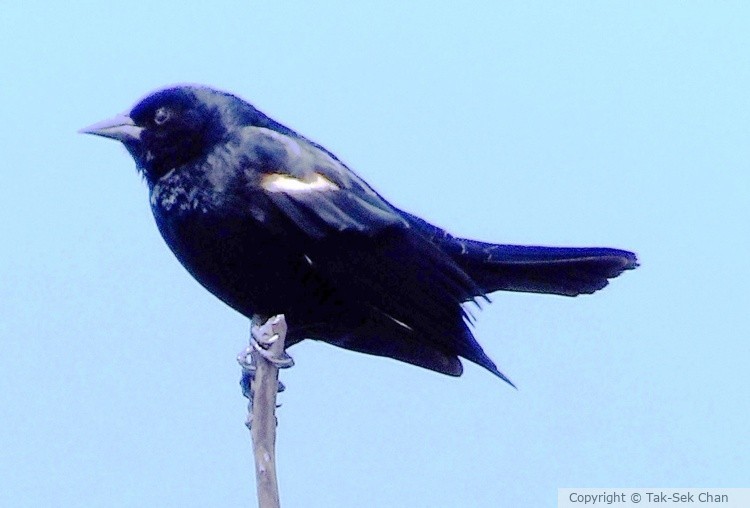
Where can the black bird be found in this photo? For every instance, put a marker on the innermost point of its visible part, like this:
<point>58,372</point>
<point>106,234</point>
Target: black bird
<point>271,222</point>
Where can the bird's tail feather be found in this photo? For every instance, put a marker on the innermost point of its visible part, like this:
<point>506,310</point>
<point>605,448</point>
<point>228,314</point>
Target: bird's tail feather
<point>568,271</point>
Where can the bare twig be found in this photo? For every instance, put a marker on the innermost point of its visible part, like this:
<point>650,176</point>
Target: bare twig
<point>262,361</point>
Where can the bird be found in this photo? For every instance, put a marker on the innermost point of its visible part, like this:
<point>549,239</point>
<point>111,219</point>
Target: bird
<point>272,223</point>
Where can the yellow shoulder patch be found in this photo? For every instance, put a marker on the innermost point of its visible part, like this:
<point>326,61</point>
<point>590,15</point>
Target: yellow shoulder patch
<point>276,182</point>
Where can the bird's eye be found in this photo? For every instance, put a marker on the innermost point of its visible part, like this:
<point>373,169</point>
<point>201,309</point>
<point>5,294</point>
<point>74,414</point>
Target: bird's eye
<point>162,115</point>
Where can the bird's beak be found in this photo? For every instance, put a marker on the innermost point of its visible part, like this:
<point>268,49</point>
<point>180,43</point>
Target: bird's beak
<point>121,127</point>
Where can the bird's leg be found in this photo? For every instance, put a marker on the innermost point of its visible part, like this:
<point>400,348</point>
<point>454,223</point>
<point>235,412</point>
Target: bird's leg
<point>264,334</point>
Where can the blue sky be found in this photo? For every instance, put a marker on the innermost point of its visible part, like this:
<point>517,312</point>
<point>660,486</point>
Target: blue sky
<point>620,124</point>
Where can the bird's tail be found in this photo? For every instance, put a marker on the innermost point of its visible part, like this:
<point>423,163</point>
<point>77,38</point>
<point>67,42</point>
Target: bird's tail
<point>568,271</point>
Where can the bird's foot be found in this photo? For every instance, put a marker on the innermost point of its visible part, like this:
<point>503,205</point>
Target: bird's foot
<point>264,336</point>
<point>245,359</point>
<point>263,340</point>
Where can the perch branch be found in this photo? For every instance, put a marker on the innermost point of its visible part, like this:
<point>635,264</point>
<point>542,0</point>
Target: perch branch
<point>261,362</point>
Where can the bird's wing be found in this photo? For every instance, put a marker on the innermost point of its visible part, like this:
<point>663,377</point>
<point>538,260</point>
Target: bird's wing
<point>333,208</point>
<point>355,238</point>
<point>312,188</point>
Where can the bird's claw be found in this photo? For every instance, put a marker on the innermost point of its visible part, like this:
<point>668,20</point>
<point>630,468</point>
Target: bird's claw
<point>245,359</point>
<point>280,360</point>
<point>263,337</point>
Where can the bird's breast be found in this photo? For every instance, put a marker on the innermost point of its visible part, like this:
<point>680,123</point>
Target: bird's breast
<point>233,254</point>
<point>176,194</point>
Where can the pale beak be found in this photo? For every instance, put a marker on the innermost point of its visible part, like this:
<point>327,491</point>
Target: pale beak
<point>121,127</point>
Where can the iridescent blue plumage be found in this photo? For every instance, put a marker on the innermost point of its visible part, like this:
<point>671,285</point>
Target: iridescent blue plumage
<point>271,222</point>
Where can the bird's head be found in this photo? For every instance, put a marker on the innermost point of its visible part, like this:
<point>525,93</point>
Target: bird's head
<point>173,126</point>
